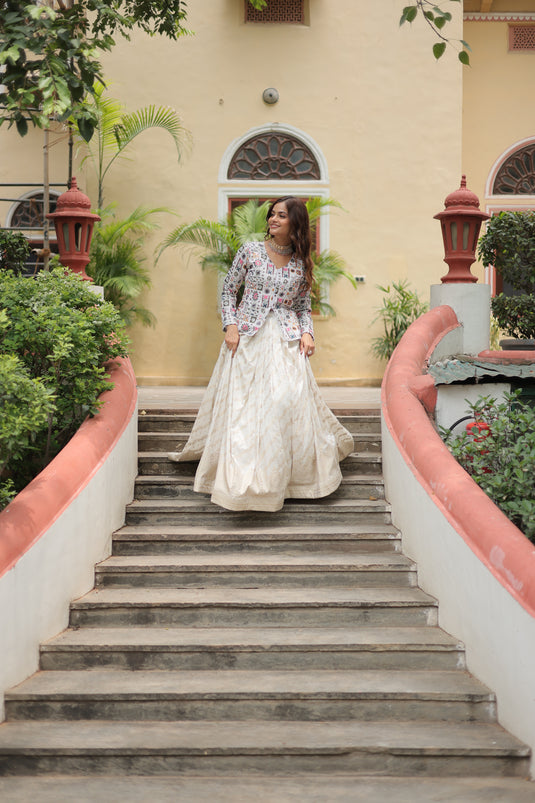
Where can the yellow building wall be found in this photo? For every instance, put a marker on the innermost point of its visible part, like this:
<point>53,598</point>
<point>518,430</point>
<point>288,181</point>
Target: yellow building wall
<point>385,115</point>
<point>497,112</point>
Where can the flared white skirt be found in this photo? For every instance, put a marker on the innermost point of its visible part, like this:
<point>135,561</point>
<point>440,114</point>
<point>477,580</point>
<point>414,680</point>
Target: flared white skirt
<point>263,432</point>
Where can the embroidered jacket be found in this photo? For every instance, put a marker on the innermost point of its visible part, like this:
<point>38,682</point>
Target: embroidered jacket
<point>267,289</point>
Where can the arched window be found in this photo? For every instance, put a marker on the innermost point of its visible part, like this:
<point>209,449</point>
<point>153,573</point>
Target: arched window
<point>275,156</point>
<point>27,213</point>
<point>516,175</point>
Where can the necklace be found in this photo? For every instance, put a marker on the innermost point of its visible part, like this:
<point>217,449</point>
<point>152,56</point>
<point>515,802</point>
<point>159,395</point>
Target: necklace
<point>283,250</point>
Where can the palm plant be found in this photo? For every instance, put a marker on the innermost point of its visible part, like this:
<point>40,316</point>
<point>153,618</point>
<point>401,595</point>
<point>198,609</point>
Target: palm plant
<point>116,130</point>
<point>117,246</point>
<point>328,268</point>
<point>401,306</point>
<point>219,242</point>
<point>116,261</point>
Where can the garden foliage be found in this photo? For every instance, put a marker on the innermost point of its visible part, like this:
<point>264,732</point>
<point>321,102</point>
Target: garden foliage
<point>51,55</point>
<point>400,307</point>
<point>509,245</point>
<point>436,17</point>
<point>502,463</point>
<point>14,250</point>
<point>56,337</point>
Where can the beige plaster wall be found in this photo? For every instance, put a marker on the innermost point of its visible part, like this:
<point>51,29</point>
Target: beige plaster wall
<point>385,115</point>
<point>497,113</point>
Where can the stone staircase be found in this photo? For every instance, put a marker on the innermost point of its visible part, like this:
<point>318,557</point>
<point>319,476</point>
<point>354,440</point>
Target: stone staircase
<point>225,656</point>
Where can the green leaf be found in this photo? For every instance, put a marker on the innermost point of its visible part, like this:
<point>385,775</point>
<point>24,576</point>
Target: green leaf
<point>409,14</point>
<point>11,54</point>
<point>86,128</point>
<point>40,12</point>
<point>464,58</point>
<point>22,126</point>
<point>438,49</point>
<point>440,22</point>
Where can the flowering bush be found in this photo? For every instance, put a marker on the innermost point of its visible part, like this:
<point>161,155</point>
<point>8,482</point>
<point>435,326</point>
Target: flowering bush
<point>502,461</point>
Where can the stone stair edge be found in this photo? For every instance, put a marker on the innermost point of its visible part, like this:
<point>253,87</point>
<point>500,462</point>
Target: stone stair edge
<point>339,787</point>
<point>348,636</point>
<point>339,736</point>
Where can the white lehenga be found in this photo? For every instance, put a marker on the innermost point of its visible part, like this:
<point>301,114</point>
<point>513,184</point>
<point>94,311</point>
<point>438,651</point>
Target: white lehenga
<point>263,432</point>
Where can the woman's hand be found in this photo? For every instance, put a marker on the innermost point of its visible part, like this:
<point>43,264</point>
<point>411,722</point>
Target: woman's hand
<point>232,338</point>
<point>306,345</point>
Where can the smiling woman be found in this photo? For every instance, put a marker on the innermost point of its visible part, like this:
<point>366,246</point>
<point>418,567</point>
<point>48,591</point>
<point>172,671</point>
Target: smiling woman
<point>263,432</point>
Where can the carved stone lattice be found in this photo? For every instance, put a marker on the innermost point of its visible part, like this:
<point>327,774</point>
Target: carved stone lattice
<point>522,37</point>
<point>281,11</point>
<point>516,176</point>
<point>28,214</point>
<point>274,156</point>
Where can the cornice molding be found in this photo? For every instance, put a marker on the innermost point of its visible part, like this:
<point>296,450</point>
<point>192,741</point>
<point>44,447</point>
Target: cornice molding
<point>499,17</point>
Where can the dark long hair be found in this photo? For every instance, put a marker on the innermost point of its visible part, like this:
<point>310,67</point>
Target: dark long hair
<point>299,231</point>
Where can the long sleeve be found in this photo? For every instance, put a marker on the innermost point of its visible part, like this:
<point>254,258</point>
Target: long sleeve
<point>233,282</point>
<point>303,308</point>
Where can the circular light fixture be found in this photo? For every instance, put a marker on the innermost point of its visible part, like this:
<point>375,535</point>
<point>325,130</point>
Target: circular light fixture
<point>270,95</point>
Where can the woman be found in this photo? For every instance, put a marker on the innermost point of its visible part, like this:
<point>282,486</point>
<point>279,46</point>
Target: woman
<point>263,432</point>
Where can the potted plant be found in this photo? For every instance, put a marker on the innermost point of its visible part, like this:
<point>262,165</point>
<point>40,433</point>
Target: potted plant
<point>509,245</point>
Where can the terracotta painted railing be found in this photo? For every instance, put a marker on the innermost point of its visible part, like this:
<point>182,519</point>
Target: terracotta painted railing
<point>408,395</point>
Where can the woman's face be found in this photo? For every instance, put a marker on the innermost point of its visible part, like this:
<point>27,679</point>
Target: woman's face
<point>279,223</point>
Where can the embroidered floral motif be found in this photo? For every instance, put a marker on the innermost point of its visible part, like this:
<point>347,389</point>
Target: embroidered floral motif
<point>267,289</point>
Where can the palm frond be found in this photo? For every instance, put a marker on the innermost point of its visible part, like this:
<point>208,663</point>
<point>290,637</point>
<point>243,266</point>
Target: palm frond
<point>249,220</point>
<point>138,222</point>
<point>323,308</point>
<point>133,124</point>
<point>316,206</point>
<point>205,234</point>
<point>117,261</point>
<point>116,130</point>
<point>220,262</point>
<point>329,267</point>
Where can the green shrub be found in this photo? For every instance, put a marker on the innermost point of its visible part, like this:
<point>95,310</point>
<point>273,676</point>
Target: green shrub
<point>503,463</point>
<point>14,251</point>
<point>26,405</point>
<point>509,245</point>
<point>62,335</point>
<point>516,314</point>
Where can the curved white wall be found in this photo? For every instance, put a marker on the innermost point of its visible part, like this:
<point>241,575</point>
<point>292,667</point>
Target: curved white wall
<point>35,592</point>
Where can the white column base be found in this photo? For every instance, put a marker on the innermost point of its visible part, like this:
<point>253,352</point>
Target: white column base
<point>471,304</point>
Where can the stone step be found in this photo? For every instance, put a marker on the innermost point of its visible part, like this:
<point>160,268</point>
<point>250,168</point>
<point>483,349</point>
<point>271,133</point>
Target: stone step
<point>183,422</point>
<point>296,648</point>
<point>231,607</point>
<point>201,512</point>
<point>158,463</point>
<point>180,539</point>
<point>353,486</point>
<point>243,787</point>
<point>312,696</point>
<point>174,441</point>
<point>422,749</point>
<point>165,422</point>
<point>243,570</point>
